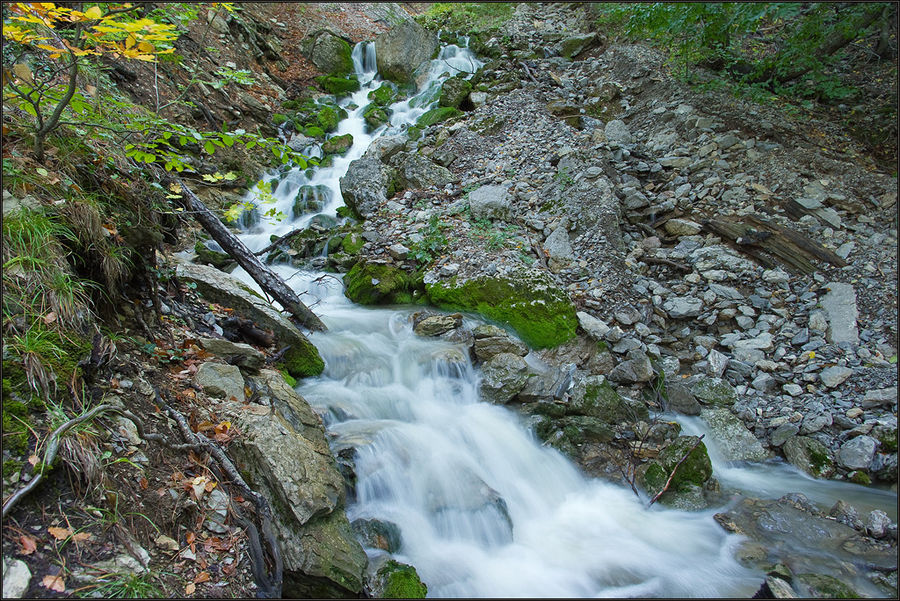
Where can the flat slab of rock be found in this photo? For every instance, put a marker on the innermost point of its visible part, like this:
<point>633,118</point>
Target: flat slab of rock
<point>840,307</point>
<point>221,380</point>
<point>489,202</point>
<point>835,376</point>
<point>235,353</point>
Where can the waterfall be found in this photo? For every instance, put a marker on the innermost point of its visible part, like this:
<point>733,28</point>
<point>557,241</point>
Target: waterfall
<point>483,509</point>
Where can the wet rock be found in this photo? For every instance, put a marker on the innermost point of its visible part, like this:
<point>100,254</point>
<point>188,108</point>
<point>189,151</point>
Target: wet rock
<point>454,91</point>
<point>733,439</point>
<point>235,353</point>
<point>395,580</point>
<point>503,376</point>
<point>846,514</point>
<point>834,376</point>
<point>435,325</point>
<point>694,471</point>
<point>713,391</point>
<point>877,524</point>
<point>221,381</point>
<point>782,433</point>
<point>366,185</point>
<point>370,283</point>
<point>809,455</point>
<point>824,586</point>
<point>377,534</point>
<point>593,396</point>
<point>636,368</point>
<point>490,202</point>
<point>418,172</point>
<point>857,453</point>
<point>491,341</point>
<point>401,50</point>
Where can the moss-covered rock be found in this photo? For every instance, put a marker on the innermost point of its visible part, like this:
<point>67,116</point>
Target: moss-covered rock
<point>437,115</point>
<point>395,580</point>
<point>714,391</point>
<point>208,256</point>
<point>328,52</point>
<point>338,144</point>
<point>302,360</point>
<point>328,117</point>
<point>339,86</point>
<point>382,284</point>
<point>375,116</point>
<point>595,397</point>
<point>809,455</point>
<point>352,242</point>
<point>526,299</point>
<point>314,131</point>
<point>310,199</point>
<point>693,472</point>
<point>384,94</point>
<point>454,91</point>
<point>823,586</point>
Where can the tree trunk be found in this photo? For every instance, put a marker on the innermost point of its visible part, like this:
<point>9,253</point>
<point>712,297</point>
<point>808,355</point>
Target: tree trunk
<point>268,281</point>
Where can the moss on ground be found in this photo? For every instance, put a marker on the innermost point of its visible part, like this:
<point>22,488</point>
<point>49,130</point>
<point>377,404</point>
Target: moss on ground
<point>543,316</point>
<point>437,115</point>
<point>378,284</point>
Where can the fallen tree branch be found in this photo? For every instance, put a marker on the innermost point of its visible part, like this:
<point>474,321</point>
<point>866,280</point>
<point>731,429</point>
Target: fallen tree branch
<point>675,469</point>
<point>270,282</point>
<point>669,262</point>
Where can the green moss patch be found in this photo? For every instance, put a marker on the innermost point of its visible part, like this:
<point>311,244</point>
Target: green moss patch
<point>329,117</point>
<point>384,95</point>
<point>541,314</point>
<point>339,86</point>
<point>437,115</point>
<point>401,581</point>
<point>338,144</point>
<point>379,284</point>
<point>302,360</point>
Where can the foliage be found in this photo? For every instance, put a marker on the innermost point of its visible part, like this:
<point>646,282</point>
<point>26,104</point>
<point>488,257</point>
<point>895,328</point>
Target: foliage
<point>471,17</point>
<point>228,75</point>
<point>786,46</point>
<point>495,237</point>
<point>433,241</point>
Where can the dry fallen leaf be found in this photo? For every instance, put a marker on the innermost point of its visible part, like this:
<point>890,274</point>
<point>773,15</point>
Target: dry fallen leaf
<point>49,317</point>
<point>27,545</point>
<point>54,583</point>
<point>201,577</point>
<point>190,588</point>
<point>144,483</point>
<point>59,533</point>
<point>81,536</point>
<point>33,459</point>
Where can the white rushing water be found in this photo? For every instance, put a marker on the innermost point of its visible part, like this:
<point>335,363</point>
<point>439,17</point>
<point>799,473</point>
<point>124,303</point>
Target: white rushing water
<point>484,510</point>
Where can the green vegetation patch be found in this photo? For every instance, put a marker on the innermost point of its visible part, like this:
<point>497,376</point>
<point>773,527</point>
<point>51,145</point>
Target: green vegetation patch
<point>303,360</point>
<point>467,17</point>
<point>380,284</point>
<point>339,86</point>
<point>437,115</point>
<point>541,314</point>
<point>384,95</point>
<point>401,581</point>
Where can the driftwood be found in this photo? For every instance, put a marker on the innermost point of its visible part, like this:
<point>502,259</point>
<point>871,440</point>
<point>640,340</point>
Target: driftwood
<point>756,236</point>
<point>268,280</point>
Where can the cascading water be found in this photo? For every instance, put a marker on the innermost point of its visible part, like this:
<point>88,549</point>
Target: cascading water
<point>483,509</point>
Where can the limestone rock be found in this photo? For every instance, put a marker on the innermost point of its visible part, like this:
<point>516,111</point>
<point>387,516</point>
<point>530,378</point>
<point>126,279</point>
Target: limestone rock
<point>857,453</point>
<point>617,131</point>
<point>329,53</point>
<point>809,455</point>
<point>834,376</point>
<point>840,307</point>
<point>221,380</point>
<point>734,440</point>
<point>284,453</point>
<point>679,307</point>
<point>16,578</point>
<point>681,399</point>
<point>636,368</point>
<point>596,328</point>
<point>417,171</point>
<point>489,202</point>
<point>366,185</point>
<point>559,250</point>
<point>436,325</point>
<point>400,51</point>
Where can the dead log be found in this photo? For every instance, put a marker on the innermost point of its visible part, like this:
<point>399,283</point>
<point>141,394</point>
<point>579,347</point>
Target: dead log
<point>268,281</point>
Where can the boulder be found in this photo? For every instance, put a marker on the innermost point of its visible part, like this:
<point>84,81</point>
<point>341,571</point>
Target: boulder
<point>595,328</point>
<point>454,91</point>
<point>16,578</point>
<point>417,171</point>
<point>835,375</point>
<point>338,144</point>
<point>489,202</point>
<point>221,381</point>
<point>809,455</point>
<point>367,185</point>
<point>435,325</point>
<point>573,45</point>
<point>301,360</point>
<point>503,376</point>
<point>734,441</point>
<point>402,49</point>
<point>713,391</point>
<point>284,455</point>
<point>377,534</point>
<point>685,489</point>
<point>527,299</point>
<point>681,400</point>
<point>329,52</point>
<point>559,249</point>
<point>491,340</point>
<point>858,453</point>
<point>617,131</point>
<point>395,580</point>
<point>679,307</point>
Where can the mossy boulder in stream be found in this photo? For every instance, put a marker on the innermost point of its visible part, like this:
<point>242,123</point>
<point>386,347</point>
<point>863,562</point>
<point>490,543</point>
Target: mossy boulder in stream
<point>382,284</point>
<point>690,476</point>
<point>595,397</point>
<point>375,116</point>
<point>526,299</point>
<point>384,94</point>
<point>329,117</point>
<point>437,115</point>
<point>395,580</point>
<point>338,144</point>
<point>339,86</point>
<point>455,90</point>
<point>303,360</point>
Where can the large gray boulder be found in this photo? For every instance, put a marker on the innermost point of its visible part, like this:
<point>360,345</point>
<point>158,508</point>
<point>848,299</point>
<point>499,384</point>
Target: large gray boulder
<point>734,441</point>
<point>329,52</point>
<point>489,202</point>
<point>840,307</point>
<point>221,380</point>
<point>301,360</point>
<point>809,455</point>
<point>858,453</point>
<point>235,353</point>
<point>417,171</point>
<point>285,456</point>
<point>636,368</point>
<point>559,249</point>
<point>400,51</point>
<point>366,185</point>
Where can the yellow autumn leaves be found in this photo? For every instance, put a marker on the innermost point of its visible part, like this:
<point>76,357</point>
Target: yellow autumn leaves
<point>103,33</point>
